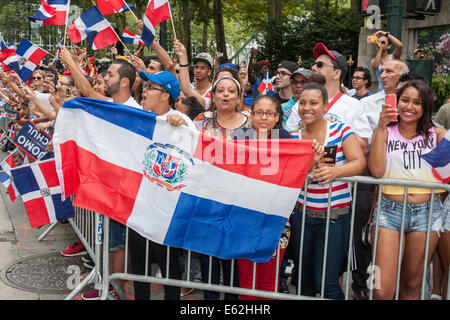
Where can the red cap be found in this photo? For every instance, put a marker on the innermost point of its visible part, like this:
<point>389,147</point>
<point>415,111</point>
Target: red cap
<point>320,49</point>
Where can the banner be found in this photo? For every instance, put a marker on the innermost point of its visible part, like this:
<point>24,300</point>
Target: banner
<point>31,141</point>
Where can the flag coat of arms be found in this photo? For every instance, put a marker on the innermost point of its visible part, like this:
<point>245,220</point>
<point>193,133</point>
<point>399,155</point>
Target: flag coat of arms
<point>157,11</point>
<point>5,176</point>
<point>51,12</point>
<point>32,56</point>
<point>266,86</point>
<point>108,7</point>
<point>173,185</point>
<point>39,187</point>
<point>94,28</point>
<point>130,37</point>
<point>439,159</point>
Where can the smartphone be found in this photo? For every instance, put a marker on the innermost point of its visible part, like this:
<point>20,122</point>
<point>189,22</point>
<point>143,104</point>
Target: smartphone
<point>372,38</point>
<point>331,153</point>
<point>391,99</point>
<point>68,92</point>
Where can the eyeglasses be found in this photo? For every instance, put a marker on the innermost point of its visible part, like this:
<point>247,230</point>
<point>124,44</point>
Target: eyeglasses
<point>150,87</point>
<point>320,64</point>
<point>37,78</point>
<point>268,114</point>
<point>63,84</point>
<point>296,82</point>
<point>282,74</point>
<point>357,78</point>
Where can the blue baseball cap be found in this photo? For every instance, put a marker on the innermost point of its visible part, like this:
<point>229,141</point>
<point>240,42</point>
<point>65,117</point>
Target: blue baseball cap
<point>229,65</point>
<point>165,79</point>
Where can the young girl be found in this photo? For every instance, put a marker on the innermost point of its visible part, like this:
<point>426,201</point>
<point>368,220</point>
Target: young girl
<point>349,161</point>
<point>412,129</point>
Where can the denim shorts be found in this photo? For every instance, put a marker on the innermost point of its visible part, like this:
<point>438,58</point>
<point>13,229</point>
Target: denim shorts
<point>446,214</point>
<point>117,233</point>
<point>416,215</point>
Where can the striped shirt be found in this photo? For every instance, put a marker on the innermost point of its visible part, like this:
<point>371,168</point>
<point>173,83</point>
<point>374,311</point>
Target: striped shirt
<point>317,198</point>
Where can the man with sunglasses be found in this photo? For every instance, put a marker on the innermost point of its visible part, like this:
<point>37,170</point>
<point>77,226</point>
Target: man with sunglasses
<point>283,80</point>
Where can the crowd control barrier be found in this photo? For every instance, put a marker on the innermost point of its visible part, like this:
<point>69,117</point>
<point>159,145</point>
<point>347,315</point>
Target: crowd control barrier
<point>86,224</point>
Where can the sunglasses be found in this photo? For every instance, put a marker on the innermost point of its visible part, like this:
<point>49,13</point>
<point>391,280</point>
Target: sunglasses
<point>296,82</point>
<point>150,87</point>
<point>37,78</point>
<point>321,64</point>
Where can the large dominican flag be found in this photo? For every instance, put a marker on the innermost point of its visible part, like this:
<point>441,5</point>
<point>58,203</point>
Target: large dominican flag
<point>32,55</point>
<point>51,12</point>
<point>157,11</point>
<point>175,186</point>
<point>94,28</point>
<point>108,7</point>
<point>39,187</point>
<point>439,159</point>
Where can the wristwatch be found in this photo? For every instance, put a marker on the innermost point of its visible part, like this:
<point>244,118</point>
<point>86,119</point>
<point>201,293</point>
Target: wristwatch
<point>387,35</point>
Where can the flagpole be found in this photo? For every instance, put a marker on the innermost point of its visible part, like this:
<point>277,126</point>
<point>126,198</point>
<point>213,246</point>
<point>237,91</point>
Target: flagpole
<point>129,53</point>
<point>126,3</point>
<point>67,21</point>
<point>171,19</point>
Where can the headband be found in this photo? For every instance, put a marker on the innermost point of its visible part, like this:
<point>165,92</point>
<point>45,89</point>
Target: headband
<point>223,78</point>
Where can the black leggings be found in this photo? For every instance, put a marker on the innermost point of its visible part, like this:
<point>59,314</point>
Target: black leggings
<point>136,245</point>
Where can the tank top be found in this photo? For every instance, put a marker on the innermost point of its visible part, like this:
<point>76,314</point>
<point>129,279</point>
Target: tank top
<point>404,161</point>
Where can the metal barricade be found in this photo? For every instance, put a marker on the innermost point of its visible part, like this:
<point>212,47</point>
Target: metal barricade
<point>107,279</point>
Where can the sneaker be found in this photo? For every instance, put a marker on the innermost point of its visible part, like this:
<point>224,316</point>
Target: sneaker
<point>86,259</point>
<point>186,291</point>
<point>89,265</point>
<point>94,294</point>
<point>115,295</point>
<point>76,249</point>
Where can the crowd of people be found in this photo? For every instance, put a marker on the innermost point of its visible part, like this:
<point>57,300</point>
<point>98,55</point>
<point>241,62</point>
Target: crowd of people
<point>352,130</point>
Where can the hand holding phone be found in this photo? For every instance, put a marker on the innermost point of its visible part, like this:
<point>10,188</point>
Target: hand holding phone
<point>391,99</point>
<point>330,155</point>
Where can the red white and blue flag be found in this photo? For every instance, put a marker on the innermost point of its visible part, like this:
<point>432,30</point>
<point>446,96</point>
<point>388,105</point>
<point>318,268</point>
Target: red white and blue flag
<point>11,133</point>
<point>94,28</point>
<point>3,114</point>
<point>9,58</point>
<point>176,186</point>
<point>130,37</point>
<point>266,86</point>
<point>39,187</point>
<point>51,12</point>
<point>439,159</point>
<point>157,12</point>
<point>108,7</point>
<point>6,177</point>
<point>58,51</point>
<point>31,55</point>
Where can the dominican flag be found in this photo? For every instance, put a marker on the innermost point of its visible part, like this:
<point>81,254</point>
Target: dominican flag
<point>32,55</point>
<point>51,12</point>
<point>157,12</point>
<point>3,114</point>
<point>130,37</point>
<point>266,86</point>
<point>39,187</point>
<point>439,159</point>
<point>108,7</point>
<point>5,176</point>
<point>11,133</point>
<point>94,28</point>
<point>9,58</point>
<point>175,186</point>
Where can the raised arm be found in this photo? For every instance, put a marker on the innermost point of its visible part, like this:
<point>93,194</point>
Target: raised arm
<point>78,76</point>
<point>185,82</point>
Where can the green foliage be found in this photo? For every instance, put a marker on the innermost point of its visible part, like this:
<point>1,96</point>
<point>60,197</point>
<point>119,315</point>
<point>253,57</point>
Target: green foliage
<point>294,38</point>
<point>441,90</point>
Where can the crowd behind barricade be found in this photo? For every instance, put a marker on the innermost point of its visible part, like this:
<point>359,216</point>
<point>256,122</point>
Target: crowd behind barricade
<point>353,132</point>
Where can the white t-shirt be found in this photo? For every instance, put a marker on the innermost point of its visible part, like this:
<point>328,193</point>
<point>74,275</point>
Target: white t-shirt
<point>189,122</point>
<point>346,109</point>
<point>44,97</point>
<point>372,106</point>
<point>132,103</point>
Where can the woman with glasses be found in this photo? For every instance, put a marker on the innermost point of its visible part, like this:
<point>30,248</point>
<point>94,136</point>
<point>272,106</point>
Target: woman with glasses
<point>37,81</point>
<point>346,160</point>
<point>266,116</point>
